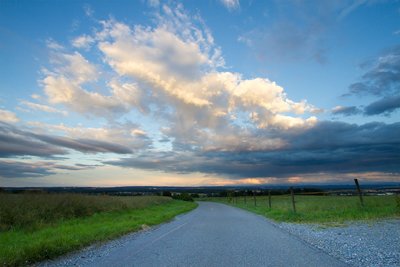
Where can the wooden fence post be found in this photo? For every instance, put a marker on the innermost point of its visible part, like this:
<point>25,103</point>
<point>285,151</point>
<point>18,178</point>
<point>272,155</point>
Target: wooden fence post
<point>359,192</point>
<point>293,203</point>
<point>245,197</point>
<point>255,200</point>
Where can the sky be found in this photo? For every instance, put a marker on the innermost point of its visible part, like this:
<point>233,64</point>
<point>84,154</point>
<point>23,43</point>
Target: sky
<point>194,93</point>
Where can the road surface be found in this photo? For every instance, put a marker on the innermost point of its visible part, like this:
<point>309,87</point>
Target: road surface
<point>211,235</point>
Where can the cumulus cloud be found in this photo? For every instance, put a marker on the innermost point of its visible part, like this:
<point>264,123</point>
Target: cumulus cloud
<point>172,72</point>
<point>8,116</point>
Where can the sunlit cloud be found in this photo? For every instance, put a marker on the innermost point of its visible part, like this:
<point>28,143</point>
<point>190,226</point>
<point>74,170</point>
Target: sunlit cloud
<point>44,108</point>
<point>8,116</point>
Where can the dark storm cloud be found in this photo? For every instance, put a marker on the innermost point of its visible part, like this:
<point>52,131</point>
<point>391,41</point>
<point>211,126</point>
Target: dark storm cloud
<point>13,169</point>
<point>382,76</point>
<point>385,105</point>
<point>16,142</point>
<point>18,169</point>
<point>83,145</point>
<point>346,111</point>
<point>329,147</point>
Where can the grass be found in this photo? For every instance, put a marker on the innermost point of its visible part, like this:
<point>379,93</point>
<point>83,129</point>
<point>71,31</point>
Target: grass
<point>22,244</point>
<point>328,210</point>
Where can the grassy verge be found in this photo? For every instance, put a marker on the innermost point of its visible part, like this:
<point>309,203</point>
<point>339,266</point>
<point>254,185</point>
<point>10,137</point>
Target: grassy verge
<point>22,246</point>
<point>319,209</point>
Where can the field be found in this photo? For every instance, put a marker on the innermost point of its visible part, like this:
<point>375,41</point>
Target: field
<point>35,227</point>
<point>318,209</point>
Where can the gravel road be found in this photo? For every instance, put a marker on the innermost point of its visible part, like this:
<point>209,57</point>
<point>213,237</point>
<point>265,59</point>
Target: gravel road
<point>212,235</point>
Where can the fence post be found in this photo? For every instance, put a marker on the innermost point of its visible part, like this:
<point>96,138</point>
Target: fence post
<point>293,203</point>
<point>245,197</point>
<point>255,200</point>
<point>359,192</point>
<point>269,199</point>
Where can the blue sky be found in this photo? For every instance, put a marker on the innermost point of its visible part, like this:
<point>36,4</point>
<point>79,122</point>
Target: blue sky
<point>199,92</point>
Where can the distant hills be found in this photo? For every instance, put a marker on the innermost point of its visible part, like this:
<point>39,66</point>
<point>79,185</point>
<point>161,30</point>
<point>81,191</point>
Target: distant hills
<point>140,190</point>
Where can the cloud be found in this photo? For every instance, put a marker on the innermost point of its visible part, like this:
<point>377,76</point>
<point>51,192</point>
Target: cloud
<point>346,111</point>
<point>20,169</point>
<point>15,169</point>
<point>230,4</point>
<point>328,147</point>
<point>16,142</point>
<point>124,137</point>
<point>385,105</point>
<point>153,3</point>
<point>352,7</point>
<point>382,76</point>
<point>171,72</point>
<point>44,108</point>
<point>303,36</point>
<point>83,145</point>
<point>88,10</point>
<point>381,79</point>
<point>83,41</point>
<point>8,116</point>
<point>208,120</point>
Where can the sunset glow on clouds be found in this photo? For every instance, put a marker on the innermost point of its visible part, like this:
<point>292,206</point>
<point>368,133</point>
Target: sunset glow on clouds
<point>157,101</point>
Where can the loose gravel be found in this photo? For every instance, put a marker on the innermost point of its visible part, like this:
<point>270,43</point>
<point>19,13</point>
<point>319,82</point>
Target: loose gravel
<point>357,243</point>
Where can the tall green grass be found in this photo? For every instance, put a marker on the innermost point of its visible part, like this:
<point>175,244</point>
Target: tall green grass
<point>320,209</point>
<point>43,226</point>
<point>31,211</point>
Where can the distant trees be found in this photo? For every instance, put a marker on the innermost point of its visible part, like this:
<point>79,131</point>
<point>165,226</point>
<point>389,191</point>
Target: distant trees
<point>183,196</point>
<point>166,194</point>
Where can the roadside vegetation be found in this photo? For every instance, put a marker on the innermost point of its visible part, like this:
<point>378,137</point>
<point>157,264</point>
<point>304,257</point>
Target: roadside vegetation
<point>35,227</point>
<point>327,210</point>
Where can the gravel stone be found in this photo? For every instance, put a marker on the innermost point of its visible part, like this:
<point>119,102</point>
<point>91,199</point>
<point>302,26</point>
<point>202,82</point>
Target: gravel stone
<point>356,243</point>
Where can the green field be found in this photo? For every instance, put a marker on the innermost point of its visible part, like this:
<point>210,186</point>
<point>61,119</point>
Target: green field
<point>319,209</point>
<point>35,227</point>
